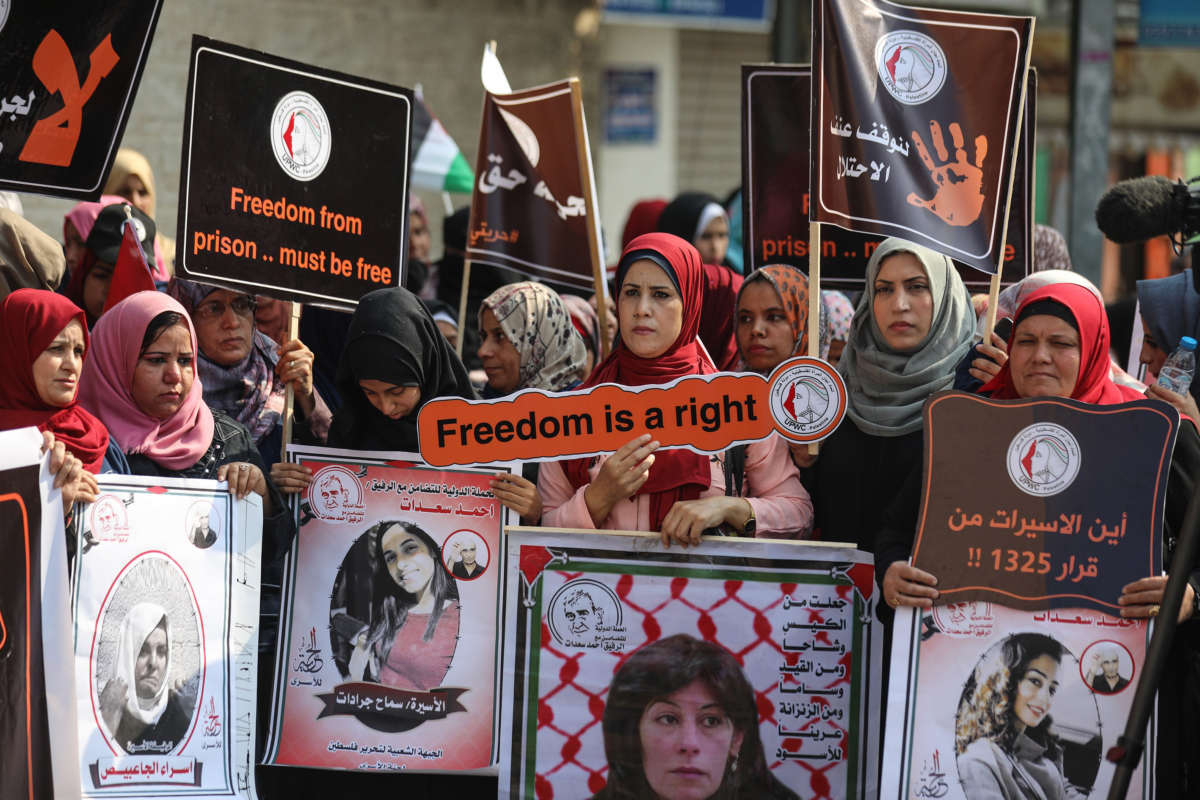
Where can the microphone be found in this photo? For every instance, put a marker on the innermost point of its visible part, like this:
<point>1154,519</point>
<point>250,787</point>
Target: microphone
<point>1142,208</point>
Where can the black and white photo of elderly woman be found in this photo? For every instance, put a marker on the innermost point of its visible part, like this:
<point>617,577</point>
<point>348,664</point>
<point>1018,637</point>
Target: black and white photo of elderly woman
<point>140,709</point>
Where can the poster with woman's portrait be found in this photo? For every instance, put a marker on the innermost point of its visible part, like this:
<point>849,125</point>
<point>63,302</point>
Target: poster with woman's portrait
<point>1003,703</point>
<point>389,634</point>
<point>166,641</point>
<point>740,668</point>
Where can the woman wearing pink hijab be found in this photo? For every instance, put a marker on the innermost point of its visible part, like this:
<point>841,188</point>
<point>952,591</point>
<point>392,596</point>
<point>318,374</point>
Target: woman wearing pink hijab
<point>77,224</point>
<point>140,380</point>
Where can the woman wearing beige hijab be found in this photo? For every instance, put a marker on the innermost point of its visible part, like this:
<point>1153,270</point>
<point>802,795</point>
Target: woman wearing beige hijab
<point>132,178</point>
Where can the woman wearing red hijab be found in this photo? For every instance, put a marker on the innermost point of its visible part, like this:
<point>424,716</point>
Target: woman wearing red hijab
<point>46,343</point>
<point>679,493</point>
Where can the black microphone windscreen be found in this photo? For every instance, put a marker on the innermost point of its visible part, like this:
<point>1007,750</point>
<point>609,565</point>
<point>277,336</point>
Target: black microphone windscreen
<point>1139,209</point>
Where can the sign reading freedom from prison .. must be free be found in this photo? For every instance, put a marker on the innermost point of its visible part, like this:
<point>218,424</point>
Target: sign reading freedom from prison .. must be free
<point>296,183</point>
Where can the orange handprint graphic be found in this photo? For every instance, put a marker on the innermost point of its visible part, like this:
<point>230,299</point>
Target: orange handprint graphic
<point>959,196</point>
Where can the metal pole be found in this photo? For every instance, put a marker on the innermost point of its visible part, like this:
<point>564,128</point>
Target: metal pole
<point>1091,94</point>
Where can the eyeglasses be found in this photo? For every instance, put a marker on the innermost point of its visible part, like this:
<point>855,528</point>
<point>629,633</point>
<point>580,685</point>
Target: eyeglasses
<point>243,306</point>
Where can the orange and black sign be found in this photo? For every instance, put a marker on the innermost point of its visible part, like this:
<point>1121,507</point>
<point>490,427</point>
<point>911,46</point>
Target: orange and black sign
<point>24,732</point>
<point>294,180</point>
<point>68,74</point>
<point>915,113</point>
<point>1029,512</point>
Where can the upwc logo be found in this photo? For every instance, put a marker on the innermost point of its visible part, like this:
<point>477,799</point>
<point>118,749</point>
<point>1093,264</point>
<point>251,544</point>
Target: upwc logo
<point>1043,459</point>
<point>807,397</point>
<point>911,65</point>
<point>300,136</point>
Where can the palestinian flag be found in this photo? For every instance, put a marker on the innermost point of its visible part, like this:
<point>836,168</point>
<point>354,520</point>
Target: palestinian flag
<point>438,163</point>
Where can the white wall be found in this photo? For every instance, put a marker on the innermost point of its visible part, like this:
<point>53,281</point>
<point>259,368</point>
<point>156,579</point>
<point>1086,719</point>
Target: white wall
<point>626,173</point>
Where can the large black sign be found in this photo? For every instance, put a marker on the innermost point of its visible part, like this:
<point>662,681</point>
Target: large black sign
<point>294,179</point>
<point>68,75</point>
<point>775,161</point>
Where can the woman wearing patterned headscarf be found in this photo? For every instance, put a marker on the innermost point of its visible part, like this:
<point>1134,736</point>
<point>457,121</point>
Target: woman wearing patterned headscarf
<point>527,341</point>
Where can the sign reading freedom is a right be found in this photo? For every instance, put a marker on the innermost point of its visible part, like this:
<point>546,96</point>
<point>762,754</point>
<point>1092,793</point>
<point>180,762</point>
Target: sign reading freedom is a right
<point>294,178</point>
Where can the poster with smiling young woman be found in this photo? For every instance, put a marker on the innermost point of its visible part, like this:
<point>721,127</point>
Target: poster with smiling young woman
<point>389,628</point>
<point>166,639</point>
<point>740,668</point>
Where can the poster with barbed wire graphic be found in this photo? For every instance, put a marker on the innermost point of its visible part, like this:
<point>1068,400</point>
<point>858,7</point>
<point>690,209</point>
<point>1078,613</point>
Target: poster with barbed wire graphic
<point>166,604</point>
<point>740,667</point>
<point>387,656</point>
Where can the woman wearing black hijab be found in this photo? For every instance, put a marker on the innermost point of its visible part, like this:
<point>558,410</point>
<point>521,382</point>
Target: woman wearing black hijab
<point>698,218</point>
<point>395,359</point>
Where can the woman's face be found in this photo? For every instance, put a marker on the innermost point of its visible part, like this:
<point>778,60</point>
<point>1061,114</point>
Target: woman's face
<point>650,310</point>
<point>1044,358</point>
<point>164,373</point>
<point>713,241</point>
<point>1153,355</point>
<point>407,559</point>
<point>225,326</point>
<point>56,370</point>
<point>73,245</point>
<point>149,671</point>
<point>135,191</point>
<point>687,741</point>
<point>903,305</point>
<point>394,402</point>
<point>419,240</point>
<point>449,331</point>
<point>764,333</point>
<point>1035,691</point>
<point>95,288</point>
<point>500,358</point>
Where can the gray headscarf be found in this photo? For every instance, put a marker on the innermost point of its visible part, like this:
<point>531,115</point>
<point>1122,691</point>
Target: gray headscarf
<point>887,388</point>
<point>1171,310</point>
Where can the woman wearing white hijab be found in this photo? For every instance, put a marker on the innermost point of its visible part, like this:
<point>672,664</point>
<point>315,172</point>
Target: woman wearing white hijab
<point>143,714</point>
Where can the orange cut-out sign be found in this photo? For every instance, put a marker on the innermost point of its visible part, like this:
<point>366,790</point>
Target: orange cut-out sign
<point>55,137</point>
<point>804,400</point>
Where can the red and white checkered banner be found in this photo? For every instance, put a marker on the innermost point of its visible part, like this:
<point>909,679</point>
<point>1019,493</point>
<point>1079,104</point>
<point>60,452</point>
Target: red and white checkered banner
<point>739,666</point>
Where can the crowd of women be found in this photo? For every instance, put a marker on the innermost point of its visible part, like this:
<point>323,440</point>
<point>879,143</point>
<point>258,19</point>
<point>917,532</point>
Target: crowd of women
<point>190,381</point>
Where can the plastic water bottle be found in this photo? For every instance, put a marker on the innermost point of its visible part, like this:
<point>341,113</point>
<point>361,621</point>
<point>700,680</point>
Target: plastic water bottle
<point>1176,373</point>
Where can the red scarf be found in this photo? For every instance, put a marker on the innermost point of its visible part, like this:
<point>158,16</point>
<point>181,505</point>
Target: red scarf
<point>30,320</point>
<point>1093,384</point>
<point>676,474</point>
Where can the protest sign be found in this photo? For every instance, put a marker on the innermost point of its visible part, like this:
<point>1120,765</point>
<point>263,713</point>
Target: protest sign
<point>890,83</point>
<point>166,639</point>
<point>774,120</point>
<point>533,209</point>
<point>950,717</point>
<point>600,626</point>
<point>36,697</point>
<point>1031,535</point>
<point>389,632</point>
<point>296,183</point>
<point>804,400</point>
<point>68,75</point>
<point>1032,514</point>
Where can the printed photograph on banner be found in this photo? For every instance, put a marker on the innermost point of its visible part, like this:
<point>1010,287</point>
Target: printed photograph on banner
<point>35,629</point>
<point>69,73</point>
<point>388,654</point>
<point>166,640</point>
<point>758,653</point>
<point>910,137</point>
<point>987,701</point>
